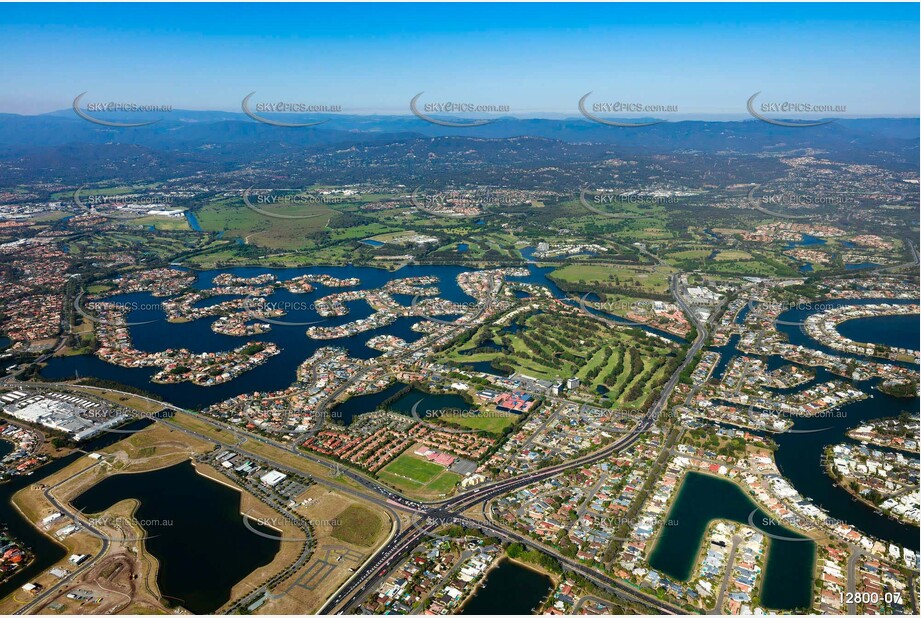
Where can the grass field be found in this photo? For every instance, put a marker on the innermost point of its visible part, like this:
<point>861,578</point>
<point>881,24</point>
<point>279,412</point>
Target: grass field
<point>704,257</point>
<point>764,264</point>
<point>724,256</point>
<point>689,254</point>
<point>414,469</point>
<point>418,477</point>
<point>51,216</point>
<point>232,217</point>
<point>711,258</point>
<point>493,422</point>
<point>644,234</point>
<point>357,525</point>
<point>97,288</point>
<point>163,223</point>
<point>641,279</point>
<point>444,484</point>
<point>107,242</point>
<point>644,209</point>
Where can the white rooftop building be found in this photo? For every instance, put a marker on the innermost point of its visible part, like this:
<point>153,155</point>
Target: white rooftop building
<point>273,478</point>
<point>64,416</point>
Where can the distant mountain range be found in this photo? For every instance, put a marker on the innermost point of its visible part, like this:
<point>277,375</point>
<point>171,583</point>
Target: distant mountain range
<point>184,140</point>
<point>180,128</point>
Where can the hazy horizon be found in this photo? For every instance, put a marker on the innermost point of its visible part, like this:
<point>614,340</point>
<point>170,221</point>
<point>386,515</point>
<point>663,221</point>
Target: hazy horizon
<point>701,117</point>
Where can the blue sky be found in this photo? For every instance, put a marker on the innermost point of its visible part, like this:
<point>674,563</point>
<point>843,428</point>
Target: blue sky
<point>704,58</point>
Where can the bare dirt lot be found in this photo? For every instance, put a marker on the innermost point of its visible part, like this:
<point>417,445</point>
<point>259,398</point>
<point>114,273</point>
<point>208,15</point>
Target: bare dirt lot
<point>333,558</point>
<point>121,581</point>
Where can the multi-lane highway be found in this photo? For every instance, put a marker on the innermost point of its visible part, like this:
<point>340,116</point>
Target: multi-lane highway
<point>452,509</point>
<point>433,515</point>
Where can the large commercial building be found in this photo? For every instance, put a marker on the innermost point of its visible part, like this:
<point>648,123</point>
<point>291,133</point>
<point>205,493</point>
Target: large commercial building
<point>273,478</point>
<point>79,418</point>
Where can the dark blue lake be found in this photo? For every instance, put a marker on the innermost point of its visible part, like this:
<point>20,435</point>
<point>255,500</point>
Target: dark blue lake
<point>509,589</point>
<point>280,371</point>
<point>702,498</point>
<point>201,543</point>
<point>807,241</point>
<point>894,330</point>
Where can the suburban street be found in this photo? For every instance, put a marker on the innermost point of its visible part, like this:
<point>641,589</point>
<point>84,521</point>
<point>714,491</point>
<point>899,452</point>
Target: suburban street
<point>434,513</point>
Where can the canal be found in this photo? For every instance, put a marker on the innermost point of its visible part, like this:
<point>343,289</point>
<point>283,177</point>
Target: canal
<point>799,454</point>
<point>787,573</point>
<point>150,331</point>
<point>509,589</point>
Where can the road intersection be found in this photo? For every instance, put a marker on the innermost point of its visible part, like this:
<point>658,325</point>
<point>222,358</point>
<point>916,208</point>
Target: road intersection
<point>435,514</point>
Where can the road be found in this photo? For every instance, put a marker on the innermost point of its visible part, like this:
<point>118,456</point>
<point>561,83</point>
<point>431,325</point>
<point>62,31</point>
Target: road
<point>436,514</point>
<point>730,560</point>
<point>76,517</point>
<point>615,586</point>
<point>383,501</point>
<point>856,553</point>
<point>451,509</point>
<point>585,599</point>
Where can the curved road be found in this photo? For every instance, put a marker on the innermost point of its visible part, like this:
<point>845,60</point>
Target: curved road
<point>449,509</point>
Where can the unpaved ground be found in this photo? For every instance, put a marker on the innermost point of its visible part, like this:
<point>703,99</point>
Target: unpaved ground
<point>115,583</point>
<point>328,568</point>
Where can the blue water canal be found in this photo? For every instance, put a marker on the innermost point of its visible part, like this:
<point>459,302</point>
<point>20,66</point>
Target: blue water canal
<point>798,455</point>
<point>280,371</point>
<point>787,582</point>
